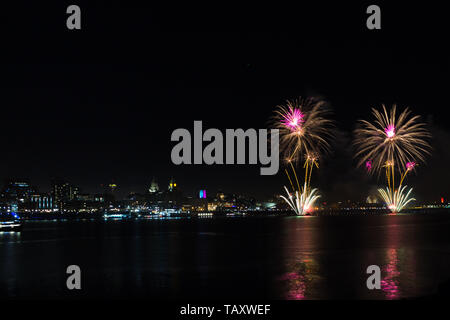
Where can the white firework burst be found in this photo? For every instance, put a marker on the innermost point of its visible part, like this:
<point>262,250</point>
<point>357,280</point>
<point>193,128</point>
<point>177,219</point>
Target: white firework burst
<point>302,203</point>
<point>396,200</point>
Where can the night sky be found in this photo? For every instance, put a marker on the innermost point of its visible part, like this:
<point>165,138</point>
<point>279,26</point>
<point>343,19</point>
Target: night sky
<point>99,105</point>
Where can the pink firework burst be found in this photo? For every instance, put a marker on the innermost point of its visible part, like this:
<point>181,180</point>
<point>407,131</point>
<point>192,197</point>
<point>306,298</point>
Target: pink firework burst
<point>410,165</point>
<point>390,131</point>
<point>304,127</point>
<point>369,165</point>
<point>293,119</point>
<point>391,139</point>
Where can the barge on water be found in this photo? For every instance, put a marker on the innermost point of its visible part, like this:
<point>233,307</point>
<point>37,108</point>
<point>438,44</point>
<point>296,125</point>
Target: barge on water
<point>9,222</point>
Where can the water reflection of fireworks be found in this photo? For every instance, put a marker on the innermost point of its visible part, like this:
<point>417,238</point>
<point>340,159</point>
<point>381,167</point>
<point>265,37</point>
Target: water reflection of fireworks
<point>389,284</point>
<point>297,285</point>
<point>298,280</point>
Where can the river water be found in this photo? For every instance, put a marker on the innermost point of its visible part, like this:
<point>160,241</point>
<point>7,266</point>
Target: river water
<point>229,258</point>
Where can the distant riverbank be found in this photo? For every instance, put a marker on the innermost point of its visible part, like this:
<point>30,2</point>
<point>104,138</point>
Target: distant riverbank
<point>206,215</point>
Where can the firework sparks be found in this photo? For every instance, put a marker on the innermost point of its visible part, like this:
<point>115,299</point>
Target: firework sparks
<point>305,133</point>
<point>410,165</point>
<point>390,131</point>
<point>304,128</point>
<point>393,143</point>
<point>303,202</point>
<point>396,200</point>
<point>390,138</point>
<point>305,197</point>
<point>293,119</point>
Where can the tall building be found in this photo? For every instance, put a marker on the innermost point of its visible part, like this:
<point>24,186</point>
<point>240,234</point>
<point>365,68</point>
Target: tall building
<point>74,193</point>
<point>62,192</point>
<point>172,185</point>
<point>173,196</point>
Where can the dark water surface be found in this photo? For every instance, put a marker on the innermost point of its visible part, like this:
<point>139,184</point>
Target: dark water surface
<point>253,258</point>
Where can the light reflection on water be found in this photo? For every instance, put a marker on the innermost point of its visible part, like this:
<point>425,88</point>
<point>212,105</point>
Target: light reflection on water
<point>390,272</point>
<point>8,261</point>
<point>302,269</point>
<point>390,282</point>
<point>328,258</point>
<point>298,280</point>
<point>269,257</point>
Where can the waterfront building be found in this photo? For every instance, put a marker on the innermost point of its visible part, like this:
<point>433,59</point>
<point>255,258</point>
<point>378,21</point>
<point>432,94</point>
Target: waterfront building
<point>61,192</point>
<point>39,203</point>
<point>154,187</point>
<point>17,190</point>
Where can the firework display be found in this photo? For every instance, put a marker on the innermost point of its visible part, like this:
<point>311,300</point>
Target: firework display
<point>396,200</point>
<point>303,202</point>
<point>304,128</point>
<point>390,138</point>
<point>305,132</point>
<point>394,144</point>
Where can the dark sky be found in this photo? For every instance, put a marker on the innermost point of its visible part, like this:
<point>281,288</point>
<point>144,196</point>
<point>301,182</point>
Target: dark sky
<point>99,105</point>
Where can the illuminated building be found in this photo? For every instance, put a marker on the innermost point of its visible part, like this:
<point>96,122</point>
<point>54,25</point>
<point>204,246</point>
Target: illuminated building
<point>112,187</point>
<point>62,192</point>
<point>154,187</point>
<point>212,206</point>
<point>372,199</point>
<point>74,192</point>
<point>19,191</point>
<point>223,202</point>
<point>265,206</point>
<point>172,185</point>
<point>39,202</point>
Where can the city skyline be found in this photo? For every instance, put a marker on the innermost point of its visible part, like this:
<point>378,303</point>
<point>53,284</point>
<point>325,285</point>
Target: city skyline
<point>107,115</point>
<point>340,164</point>
<point>75,193</point>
